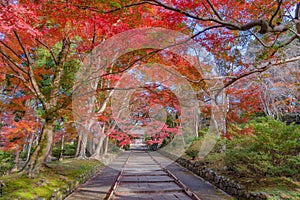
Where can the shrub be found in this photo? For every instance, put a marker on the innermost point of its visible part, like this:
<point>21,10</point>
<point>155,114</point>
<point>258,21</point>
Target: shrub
<point>194,148</point>
<point>69,150</point>
<point>273,150</point>
<point>6,162</point>
<point>23,154</point>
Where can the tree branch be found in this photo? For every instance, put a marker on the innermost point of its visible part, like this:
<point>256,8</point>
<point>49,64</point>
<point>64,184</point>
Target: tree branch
<point>8,47</point>
<point>12,61</point>
<point>276,12</point>
<point>20,77</point>
<point>23,48</point>
<point>259,40</point>
<point>30,73</point>
<point>259,70</point>
<point>206,29</point>
<point>263,24</point>
<point>49,49</point>
<point>288,42</point>
<point>62,56</point>
<point>94,9</point>
<point>214,9</point>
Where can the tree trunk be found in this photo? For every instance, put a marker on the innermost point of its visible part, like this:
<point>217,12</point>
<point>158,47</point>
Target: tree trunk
<point>82,143</point>
<point>97,153</point>
<point>29,148</point>
<point>106,145</point>
<point>79,144</point>
<point>82,146</point>
<point>62,147</point>
<point>84,133</point>
<point>39,157</point>
<point>16,162</point>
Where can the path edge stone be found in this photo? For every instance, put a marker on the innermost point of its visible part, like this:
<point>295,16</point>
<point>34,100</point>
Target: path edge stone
<point>62,193</point>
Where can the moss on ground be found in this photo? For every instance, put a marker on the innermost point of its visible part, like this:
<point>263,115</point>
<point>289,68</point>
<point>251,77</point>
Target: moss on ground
<point>59,175</point>
<point>279,188</point>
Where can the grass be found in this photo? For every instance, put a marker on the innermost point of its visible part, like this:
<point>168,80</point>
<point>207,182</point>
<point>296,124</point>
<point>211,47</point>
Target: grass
<point>59,175</point>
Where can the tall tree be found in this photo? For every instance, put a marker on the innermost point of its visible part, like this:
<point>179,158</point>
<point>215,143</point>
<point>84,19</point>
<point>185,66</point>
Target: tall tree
<point>40,46</point>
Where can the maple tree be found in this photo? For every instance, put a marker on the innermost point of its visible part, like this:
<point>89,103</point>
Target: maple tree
<point>20,58</point>
<point>41,42</point>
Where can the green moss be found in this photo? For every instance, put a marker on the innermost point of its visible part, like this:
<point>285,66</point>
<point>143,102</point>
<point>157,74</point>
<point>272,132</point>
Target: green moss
<point>194,148</point>
<point>278,188</point>
<point>58,175</point>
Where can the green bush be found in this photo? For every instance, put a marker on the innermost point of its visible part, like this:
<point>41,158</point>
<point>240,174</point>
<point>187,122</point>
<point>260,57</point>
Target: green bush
<point>193,150</point>
<point>272,150</point>
<point>165,142</point>
<point>6,162</point>
<point>69,150</point>
<point>23,154</point>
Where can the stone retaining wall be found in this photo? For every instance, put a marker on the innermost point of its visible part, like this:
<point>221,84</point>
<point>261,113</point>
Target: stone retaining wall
<point>229,186</point>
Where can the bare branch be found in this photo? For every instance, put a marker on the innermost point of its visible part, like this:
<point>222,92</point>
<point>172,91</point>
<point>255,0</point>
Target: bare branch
<point>15,74</point>
<point>94,9</point>
<point>32,79</point>
<point>297,16</point>
<point>214,9</point>
<point>263,24</point>
<point>12,61</point>
<point>23,48</point>
<point>259,40</point>
<point>128,6</point>
<point>134,62</point>
<point>8,47</point>
<point>276,12</point>
<point>94,36</point>
<point>281,62</point>
<point>259,70</point>
<point>206,29</point>
<point>49,49</point>
<point>288,42</point>
<point>20,77</point>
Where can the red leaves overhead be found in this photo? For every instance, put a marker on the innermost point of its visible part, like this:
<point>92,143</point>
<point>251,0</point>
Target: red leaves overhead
<point>21,17</point>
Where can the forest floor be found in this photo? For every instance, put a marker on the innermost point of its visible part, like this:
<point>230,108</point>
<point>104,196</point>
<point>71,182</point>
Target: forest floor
<point>59,175</point>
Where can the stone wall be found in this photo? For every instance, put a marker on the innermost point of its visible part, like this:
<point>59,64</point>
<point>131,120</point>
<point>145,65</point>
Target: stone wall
<point>229,186</point>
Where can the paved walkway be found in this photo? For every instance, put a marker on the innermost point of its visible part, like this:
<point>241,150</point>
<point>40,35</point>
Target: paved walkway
<point>142,175</point>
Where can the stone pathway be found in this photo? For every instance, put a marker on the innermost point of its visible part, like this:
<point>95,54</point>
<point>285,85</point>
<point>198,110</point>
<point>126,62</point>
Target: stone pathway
<point>142,175</point>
